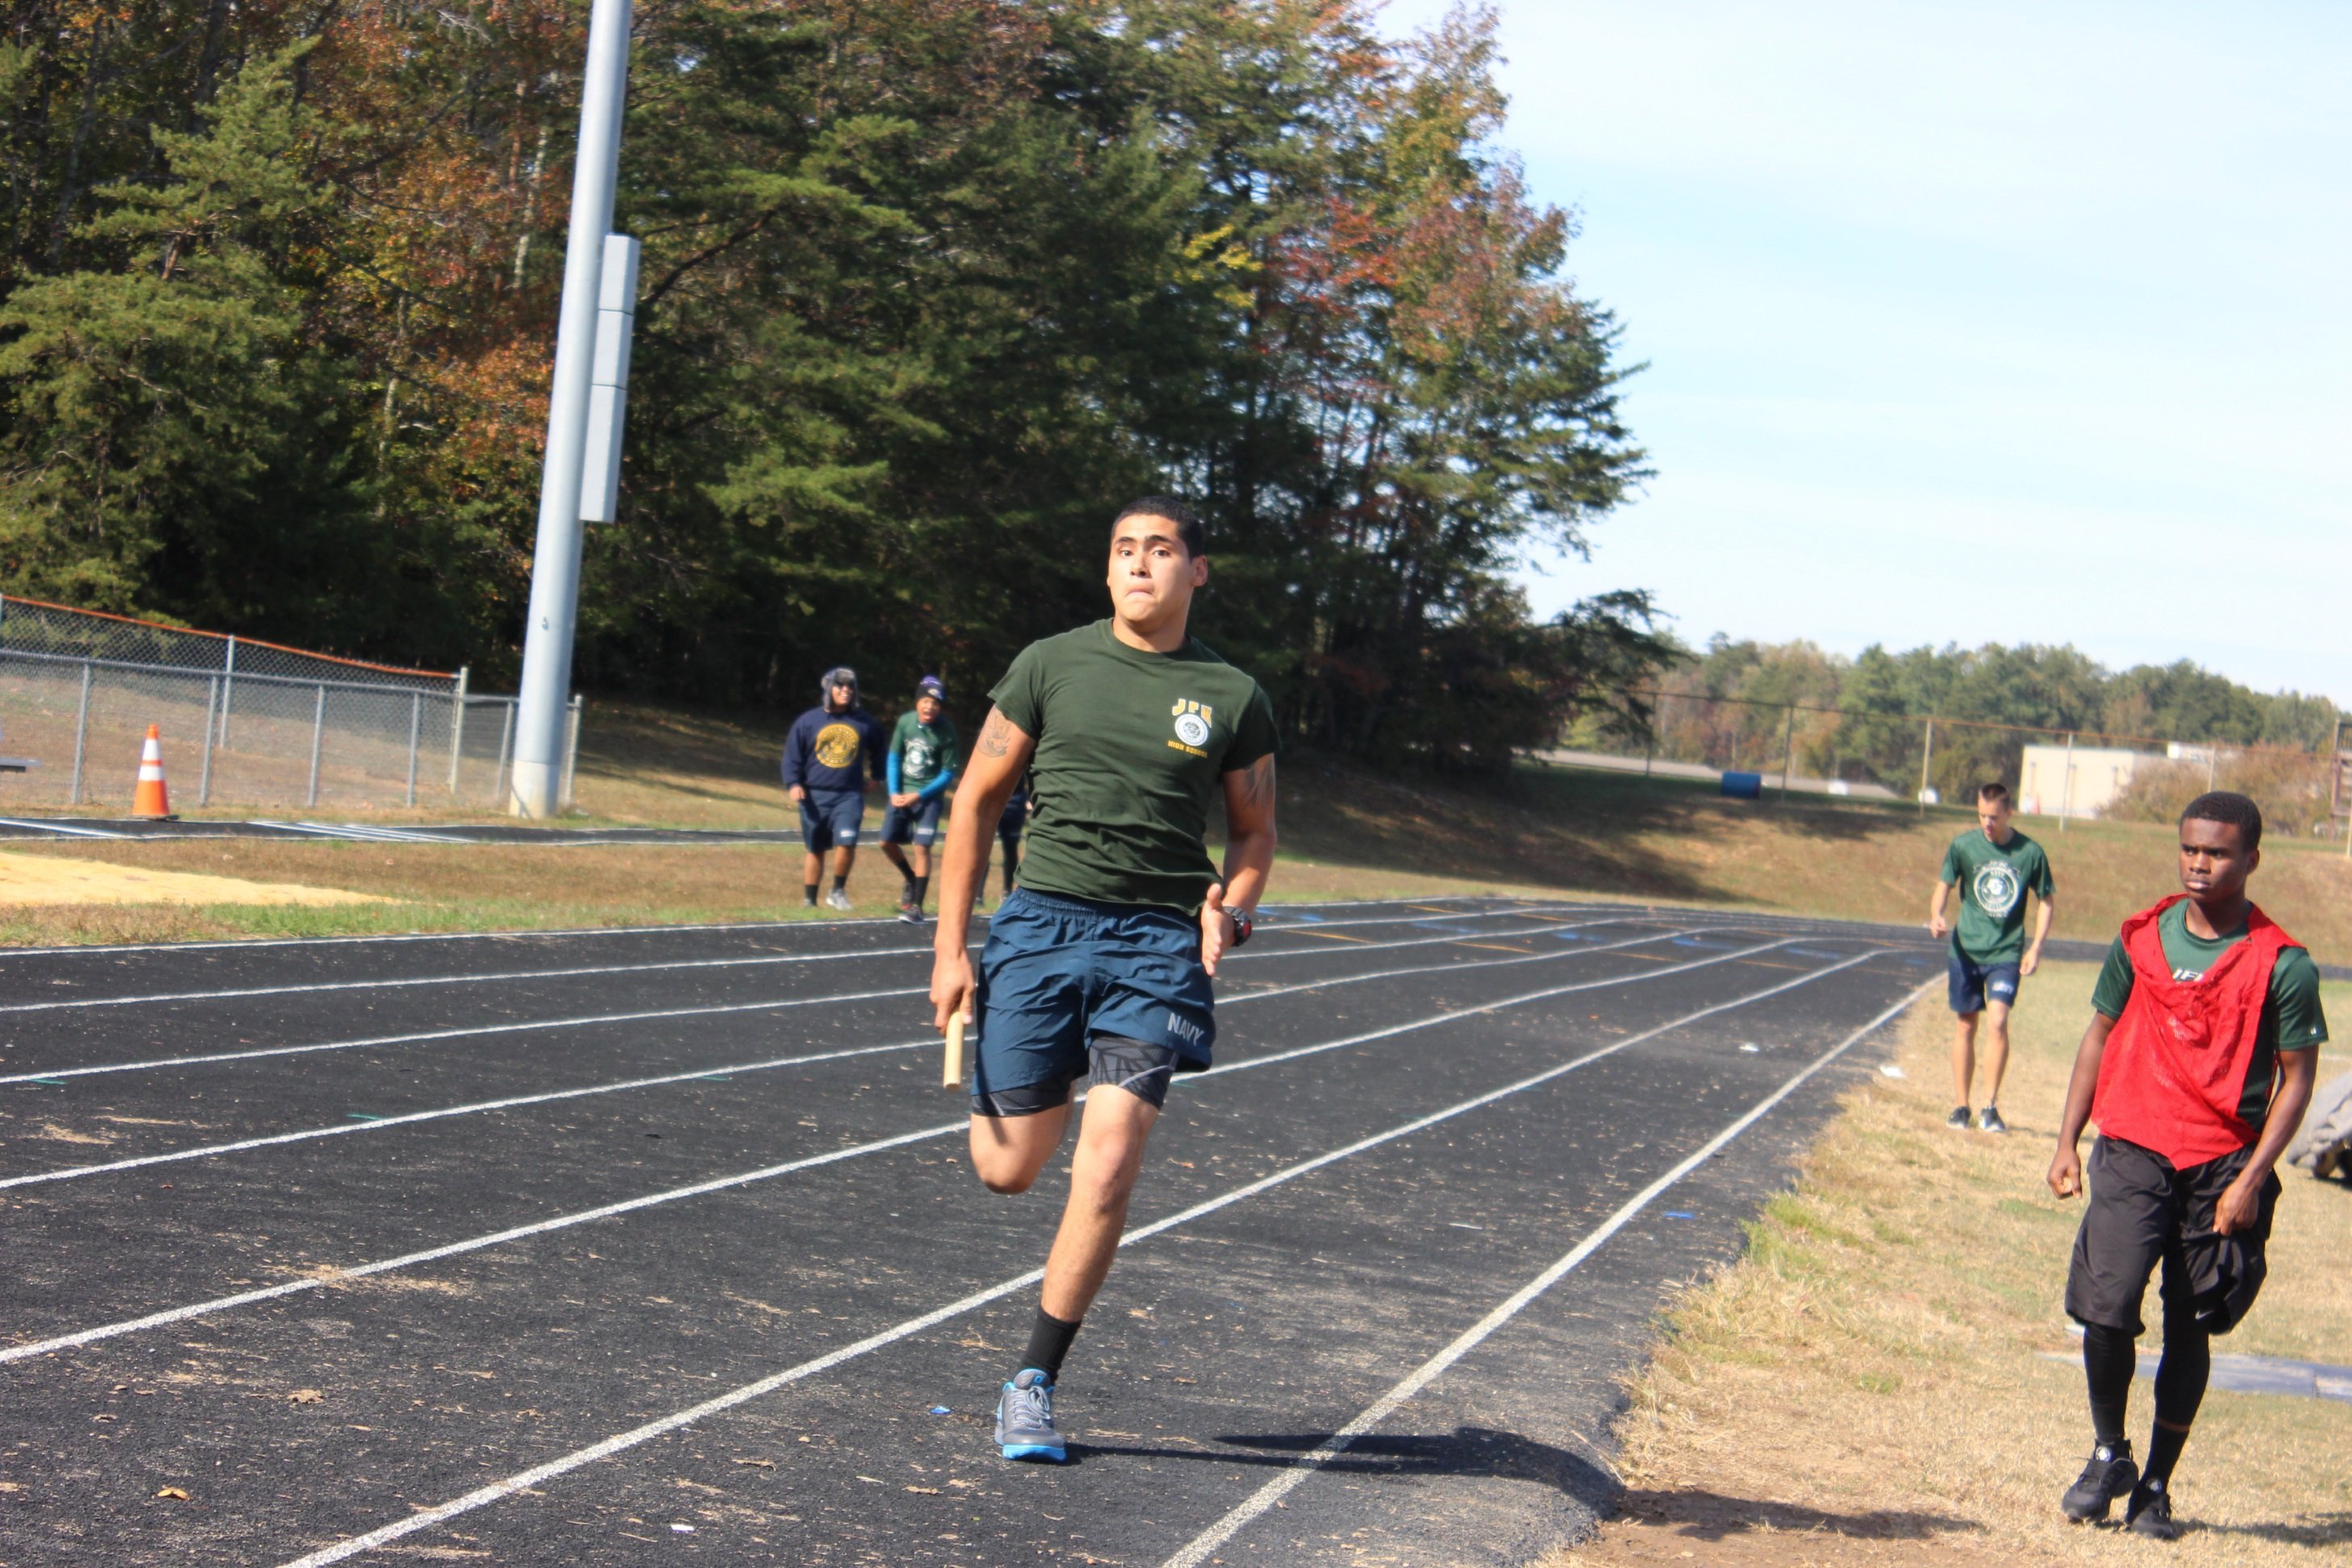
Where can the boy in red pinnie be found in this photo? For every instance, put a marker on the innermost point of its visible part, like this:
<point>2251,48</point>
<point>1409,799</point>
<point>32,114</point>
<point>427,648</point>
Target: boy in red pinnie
<point>2197,1067</point>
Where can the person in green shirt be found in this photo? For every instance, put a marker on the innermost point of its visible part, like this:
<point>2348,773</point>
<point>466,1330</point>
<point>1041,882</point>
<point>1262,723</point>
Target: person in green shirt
<point>920,766</point>
<point>1994,867</point>
<point>1097,967</point>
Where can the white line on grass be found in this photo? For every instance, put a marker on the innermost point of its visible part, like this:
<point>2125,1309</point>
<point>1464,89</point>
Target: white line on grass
<point>510,1102</point>
<point>404,982</point>
<point>470,1030</point>
<point>746,1178</point>
<point>1198,1550</point>
<point>426,1519</point>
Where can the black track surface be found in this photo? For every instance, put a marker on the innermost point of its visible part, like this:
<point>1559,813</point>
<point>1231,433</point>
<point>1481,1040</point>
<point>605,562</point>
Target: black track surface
<point>1222,1348</point>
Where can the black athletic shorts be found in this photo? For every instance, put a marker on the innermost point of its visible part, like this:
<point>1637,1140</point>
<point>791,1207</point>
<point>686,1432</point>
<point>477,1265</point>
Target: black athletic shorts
<point>2141,1212</point>
<point>1138,1066</point>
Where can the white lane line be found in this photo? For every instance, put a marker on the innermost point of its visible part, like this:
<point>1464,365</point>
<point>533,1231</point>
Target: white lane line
<point>561,932</point>
<point>470,1030</point>
<point>1197,1552</point>
<point>40,826</point>
<point>426,1519</point>
<point>346,1129</point>
<point>404,982</point>
<point>746,1178</point>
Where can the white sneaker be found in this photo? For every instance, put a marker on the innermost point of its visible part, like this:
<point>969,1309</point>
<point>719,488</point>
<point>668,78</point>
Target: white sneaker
<point>838,899</point>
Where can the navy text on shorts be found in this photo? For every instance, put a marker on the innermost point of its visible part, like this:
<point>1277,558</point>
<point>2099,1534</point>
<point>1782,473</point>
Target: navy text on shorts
<point>829,819</point>
<point>916,824</point>
<point>1057,972</point>
<point>1968,982</point>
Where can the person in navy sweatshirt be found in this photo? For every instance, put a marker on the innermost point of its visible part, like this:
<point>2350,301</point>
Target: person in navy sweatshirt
<point>832,757</point>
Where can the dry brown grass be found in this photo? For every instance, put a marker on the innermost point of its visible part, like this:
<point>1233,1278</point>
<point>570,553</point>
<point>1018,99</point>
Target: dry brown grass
<point>1868,1384</point>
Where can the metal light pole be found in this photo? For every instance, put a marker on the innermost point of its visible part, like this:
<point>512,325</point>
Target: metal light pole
<point>555,565</point>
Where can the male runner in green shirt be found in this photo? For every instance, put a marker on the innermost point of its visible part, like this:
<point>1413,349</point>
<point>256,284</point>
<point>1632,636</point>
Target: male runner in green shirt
<point>1097,967</point>
<point>1994,865</point>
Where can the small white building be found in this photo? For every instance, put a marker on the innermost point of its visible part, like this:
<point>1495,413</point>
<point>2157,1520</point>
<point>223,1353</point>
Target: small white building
<point>2053,781</point>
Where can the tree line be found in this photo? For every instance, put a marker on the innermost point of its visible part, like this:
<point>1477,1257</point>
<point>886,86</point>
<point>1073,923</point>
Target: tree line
<point>928,288</point>
<point>1743,703</point>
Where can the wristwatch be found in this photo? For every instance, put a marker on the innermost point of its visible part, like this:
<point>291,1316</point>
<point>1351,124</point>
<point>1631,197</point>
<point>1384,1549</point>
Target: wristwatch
<point>1241,926</point>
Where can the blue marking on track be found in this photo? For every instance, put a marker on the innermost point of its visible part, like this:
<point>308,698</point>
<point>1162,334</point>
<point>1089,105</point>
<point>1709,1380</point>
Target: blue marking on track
<point>1456,927</point>
<point>1696,941</point>
<point>1814,953</point>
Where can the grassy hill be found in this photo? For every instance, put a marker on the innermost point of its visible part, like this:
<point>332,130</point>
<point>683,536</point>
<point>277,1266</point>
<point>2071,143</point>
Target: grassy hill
<point>1347,832</point>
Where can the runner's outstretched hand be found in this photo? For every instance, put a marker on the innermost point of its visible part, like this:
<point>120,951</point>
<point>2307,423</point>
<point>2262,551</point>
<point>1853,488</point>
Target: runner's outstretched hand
<point>1216,929</point>
<point>951,987</point>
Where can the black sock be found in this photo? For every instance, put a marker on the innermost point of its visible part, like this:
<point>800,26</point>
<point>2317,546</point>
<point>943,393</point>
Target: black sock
<point>922,885</point>
<point>1049,1342</point>
<point>2180,1380</point>
<point>2109,1358</point>
<point>808,894</point>
<point>839,883</point>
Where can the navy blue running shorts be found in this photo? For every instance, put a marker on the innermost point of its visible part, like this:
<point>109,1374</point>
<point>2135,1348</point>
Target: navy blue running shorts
<point>1062,980</point>
<point>1966,984</point>
<point>916,824</point>
<point>829,819</point>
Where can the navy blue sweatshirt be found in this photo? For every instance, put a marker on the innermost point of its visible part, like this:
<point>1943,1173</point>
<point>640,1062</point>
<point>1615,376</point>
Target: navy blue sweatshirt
<point>823,750</point>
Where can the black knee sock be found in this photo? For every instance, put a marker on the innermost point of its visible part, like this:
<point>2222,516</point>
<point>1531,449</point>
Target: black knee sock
<point>839,883</point>
<point>1049,1342</point>
<point>2109,1357</point>
<point>922,886</point>
<point>808,894</point>
<point>2180,1379</point>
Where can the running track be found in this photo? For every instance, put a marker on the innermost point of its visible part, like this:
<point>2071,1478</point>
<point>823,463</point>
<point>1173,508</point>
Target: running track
<point>642,1247</point>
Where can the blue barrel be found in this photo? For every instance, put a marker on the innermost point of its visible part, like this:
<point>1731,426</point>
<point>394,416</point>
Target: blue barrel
<point>1744,786</point>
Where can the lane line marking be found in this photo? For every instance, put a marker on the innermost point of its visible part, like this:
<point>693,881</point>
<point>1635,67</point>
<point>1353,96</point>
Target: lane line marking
<point>1198,1550</point>
<point>470,1030</point>
<point>509,1102</point>
<point>40,826</point>
<point>564,932</point>
<point>426,1519</point>
<point>721,1183</point>
<point>404,982</point>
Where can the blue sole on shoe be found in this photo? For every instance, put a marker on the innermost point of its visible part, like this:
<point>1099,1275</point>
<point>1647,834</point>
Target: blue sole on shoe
<point>1034,1451</point>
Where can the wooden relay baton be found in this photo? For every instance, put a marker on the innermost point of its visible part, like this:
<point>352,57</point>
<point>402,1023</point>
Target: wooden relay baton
<point>951,1070</point>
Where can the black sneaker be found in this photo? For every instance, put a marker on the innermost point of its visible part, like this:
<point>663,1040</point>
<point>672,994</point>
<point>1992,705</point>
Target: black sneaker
<point>2150,1512</point>
<point>1990,1120</point>
<point>1958,1119</point>
<point>2109,1475</point>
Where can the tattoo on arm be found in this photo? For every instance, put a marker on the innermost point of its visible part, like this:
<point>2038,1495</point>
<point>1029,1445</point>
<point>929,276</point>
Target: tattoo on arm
<point>996,735</point>
<point>1257,784</point>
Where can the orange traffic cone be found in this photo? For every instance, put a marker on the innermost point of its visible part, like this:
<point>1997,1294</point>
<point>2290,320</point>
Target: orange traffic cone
<point>150,798</point>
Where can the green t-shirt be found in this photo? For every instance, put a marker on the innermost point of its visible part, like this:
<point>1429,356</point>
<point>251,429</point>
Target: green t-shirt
<point>924,750</point>
<point>2292,1018</point>
<point>1132,746</point>
<point>1993,880</point>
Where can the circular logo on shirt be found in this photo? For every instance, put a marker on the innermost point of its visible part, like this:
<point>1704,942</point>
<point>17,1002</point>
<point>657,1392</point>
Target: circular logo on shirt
<point>1192,729</point>
<point>920,757</point>
<point>836,745</point>
<point>1997,887</point>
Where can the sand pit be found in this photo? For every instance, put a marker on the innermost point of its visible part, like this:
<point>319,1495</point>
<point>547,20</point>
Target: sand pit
<point>44,880</point>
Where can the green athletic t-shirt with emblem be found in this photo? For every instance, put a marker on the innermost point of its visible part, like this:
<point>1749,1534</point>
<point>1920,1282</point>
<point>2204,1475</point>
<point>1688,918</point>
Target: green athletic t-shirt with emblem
<point>1131,748</point>
<point>924,750</point>
<point>1993,880</point>
<point>2292,1017</point>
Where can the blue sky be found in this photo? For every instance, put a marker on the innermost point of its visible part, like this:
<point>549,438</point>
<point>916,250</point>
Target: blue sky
<point>1982,322</point>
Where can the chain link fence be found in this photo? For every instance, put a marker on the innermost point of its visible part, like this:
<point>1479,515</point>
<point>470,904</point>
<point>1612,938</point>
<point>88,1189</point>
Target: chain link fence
<point>245,724</point>
<point>1798,749</point>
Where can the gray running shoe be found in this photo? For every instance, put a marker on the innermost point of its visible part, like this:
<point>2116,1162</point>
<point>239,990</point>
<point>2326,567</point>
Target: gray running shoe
<point>1988,1120</point>
<point>2109,1475</point>
<point>1024,1419</point>
<point>2150,1512</point>
<point>837,900</point>
<point>1958,1119</point>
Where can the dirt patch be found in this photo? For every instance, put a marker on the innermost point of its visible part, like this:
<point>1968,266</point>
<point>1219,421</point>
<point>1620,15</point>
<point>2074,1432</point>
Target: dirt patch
<point>35,879</point>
